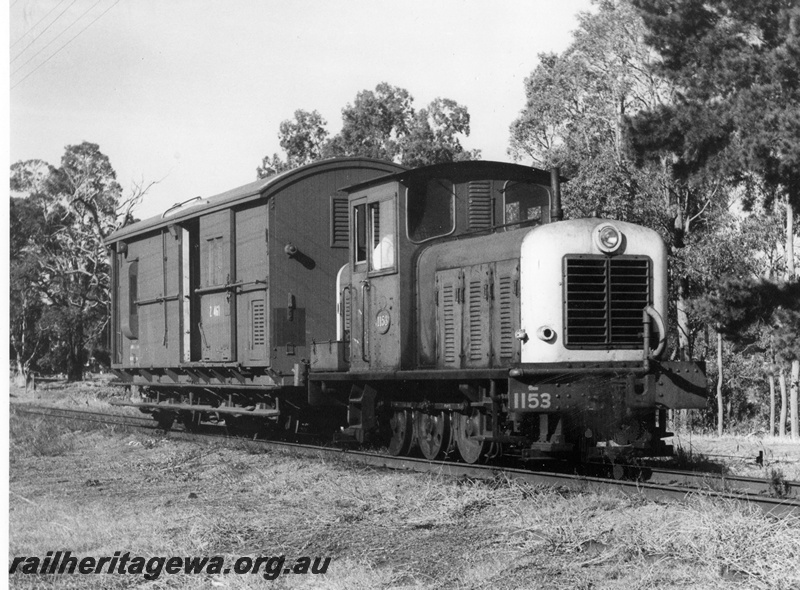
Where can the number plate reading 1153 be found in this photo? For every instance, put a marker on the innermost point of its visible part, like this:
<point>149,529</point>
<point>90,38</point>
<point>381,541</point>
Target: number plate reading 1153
<point>529,400</point>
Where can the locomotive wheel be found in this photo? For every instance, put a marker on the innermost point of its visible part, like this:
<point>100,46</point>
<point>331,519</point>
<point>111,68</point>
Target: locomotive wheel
<point>434,434</point>
<point>467,429</point>
<point>402,433</point>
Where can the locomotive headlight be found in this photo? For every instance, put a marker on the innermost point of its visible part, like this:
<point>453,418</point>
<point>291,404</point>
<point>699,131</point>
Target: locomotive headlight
<point>608,238</point>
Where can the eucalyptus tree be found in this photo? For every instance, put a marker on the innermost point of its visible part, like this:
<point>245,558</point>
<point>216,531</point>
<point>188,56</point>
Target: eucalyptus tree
<point>380,123</point>
<point>59,265</point>
<point>577,116</point>
<point>736,115</point>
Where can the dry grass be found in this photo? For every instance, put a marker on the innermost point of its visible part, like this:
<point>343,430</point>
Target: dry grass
<point>736,455</point>
<point>91,393</point>
<point>98,491</point>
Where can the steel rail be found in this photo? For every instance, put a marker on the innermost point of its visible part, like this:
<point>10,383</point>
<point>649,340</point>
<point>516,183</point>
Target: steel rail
<point>579,483</point>
<point>84,415</point>
<point>667,485</point>
<point>734,483</point>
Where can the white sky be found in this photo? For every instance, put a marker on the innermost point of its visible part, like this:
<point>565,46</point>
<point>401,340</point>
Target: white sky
<point>192,92</point>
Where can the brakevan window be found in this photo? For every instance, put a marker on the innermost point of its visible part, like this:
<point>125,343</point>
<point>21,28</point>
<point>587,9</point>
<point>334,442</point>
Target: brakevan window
<point>525,203</point>
<point>430,209</point>
<point>130,325</point>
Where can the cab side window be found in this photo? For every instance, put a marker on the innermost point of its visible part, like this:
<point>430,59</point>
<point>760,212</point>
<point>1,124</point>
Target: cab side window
<point>360,234</point>
<point>382,232</point>
<point>374,235</point>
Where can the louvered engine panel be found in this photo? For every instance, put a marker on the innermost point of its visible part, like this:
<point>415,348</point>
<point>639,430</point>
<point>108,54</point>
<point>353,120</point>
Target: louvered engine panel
<point>449,305</point>
<point>506,312</point>
<point>477,315</point>
<point>474,319</point>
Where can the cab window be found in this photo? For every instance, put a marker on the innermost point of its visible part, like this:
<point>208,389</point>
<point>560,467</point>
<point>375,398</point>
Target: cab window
<point>430,210</point>
<point>525,204</point>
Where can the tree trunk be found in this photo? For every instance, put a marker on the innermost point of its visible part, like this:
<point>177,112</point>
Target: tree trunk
<point>789,240</point>
<point>790,275</point>
<point>772,404</point>
<point>21,376</point>
<point>719,384</point>
<point>795,385</point>
<point>683,320</point>
<point>75,368</point>
<point>782,421</point>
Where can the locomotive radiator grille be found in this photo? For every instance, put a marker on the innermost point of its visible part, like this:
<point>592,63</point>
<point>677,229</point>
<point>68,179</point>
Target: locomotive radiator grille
<point>603,300</point>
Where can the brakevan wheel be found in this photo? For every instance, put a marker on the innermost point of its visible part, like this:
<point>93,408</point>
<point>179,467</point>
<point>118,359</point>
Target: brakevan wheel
<point>191,420</point>
<point>402,433</point>
<point>249,426</point>
<point>164,419</point>
<point>434,434</point>
<point>467,429</point>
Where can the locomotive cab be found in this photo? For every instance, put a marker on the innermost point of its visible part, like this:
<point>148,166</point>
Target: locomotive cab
<point>394,220</point>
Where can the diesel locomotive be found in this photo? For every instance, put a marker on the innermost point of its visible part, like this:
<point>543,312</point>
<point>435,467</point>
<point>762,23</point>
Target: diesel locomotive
<point>444,310</point>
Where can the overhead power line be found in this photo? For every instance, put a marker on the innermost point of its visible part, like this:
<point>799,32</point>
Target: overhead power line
<point>37,22</point>
<point>60,49</point>
<point>53,40</point>
<point>24,49</point>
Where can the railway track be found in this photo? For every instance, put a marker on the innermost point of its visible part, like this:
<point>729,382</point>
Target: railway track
<point>653,483</point>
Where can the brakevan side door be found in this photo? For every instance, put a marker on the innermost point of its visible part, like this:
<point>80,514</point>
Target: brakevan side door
<point>217,273</point>
<point>374,286</point>
<point>252,271</point>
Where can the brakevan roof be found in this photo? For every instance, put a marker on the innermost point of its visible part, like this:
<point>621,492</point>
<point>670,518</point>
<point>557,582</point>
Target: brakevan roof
<point>259,189</point>
<point>463,171</point>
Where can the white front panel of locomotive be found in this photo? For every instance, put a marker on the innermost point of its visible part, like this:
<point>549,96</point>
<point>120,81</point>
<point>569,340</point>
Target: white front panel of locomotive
<point>542,285</point>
